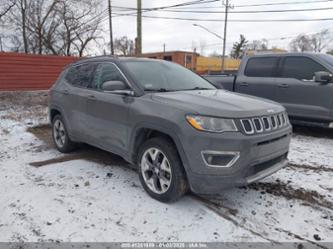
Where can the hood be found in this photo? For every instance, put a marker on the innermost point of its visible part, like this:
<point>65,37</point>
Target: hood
<point>219,103</point>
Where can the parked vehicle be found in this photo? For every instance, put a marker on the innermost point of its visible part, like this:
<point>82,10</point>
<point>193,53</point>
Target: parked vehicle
<point>302,82</point>
<point>180,131</point>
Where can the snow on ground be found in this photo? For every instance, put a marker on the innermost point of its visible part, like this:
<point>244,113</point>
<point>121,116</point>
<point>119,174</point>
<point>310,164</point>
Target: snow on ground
<point>92,195</point>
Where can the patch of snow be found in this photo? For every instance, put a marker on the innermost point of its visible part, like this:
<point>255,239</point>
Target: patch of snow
<point>84,200</point>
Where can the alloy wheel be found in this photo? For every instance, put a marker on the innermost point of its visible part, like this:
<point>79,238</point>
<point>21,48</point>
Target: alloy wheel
<point>59,133</point>
<point>156,170</point>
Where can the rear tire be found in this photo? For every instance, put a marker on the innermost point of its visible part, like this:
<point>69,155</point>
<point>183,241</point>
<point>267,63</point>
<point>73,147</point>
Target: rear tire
<point>60,135</point>
<point>161,171</point>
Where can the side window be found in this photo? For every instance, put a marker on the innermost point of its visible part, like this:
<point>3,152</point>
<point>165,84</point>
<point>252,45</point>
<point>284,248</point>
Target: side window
<point>80,75</point>
<point>71,75</point>
<point>261,67</point>
<point>106,72</point>
<point>301,68</point>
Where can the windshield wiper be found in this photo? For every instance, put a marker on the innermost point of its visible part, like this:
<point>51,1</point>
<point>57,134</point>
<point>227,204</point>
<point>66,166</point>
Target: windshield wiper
<point>199,88</point>
<point>157,90</point>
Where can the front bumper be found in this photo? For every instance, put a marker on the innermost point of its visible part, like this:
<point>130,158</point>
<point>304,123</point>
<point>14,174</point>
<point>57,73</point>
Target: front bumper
<point>260,156</point>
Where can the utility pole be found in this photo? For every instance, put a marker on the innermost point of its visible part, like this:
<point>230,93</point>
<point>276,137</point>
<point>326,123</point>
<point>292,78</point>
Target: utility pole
<point>163,47</point>
<point>139,29</point>
<point>227,6</point>
<point>110,27</point>
<point>1,48</point>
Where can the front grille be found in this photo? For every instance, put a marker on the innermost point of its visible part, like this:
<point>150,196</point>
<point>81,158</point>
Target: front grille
<point>264,124</point>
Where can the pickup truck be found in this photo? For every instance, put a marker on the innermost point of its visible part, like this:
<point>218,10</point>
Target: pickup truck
<point>301,82</point>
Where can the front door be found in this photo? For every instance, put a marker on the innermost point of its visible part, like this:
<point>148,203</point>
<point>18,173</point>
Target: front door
<point>299,93</point>
<point>259,77</point>
<point>107,112</point>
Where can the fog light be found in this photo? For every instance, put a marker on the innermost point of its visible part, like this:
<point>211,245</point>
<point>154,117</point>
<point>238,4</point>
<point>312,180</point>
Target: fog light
<point>220,158</point>
<point>330,125</point>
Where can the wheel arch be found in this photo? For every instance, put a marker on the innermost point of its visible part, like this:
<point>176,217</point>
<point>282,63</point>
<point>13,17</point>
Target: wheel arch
<point>56,110</point>
<point>145,131</point>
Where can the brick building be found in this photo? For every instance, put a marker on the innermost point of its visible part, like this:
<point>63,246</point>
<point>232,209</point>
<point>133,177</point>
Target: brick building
<point>184,58</point>
<point>195,62</point>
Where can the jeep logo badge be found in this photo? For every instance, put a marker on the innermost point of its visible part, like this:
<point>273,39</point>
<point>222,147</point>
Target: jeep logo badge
<point>270,111</point>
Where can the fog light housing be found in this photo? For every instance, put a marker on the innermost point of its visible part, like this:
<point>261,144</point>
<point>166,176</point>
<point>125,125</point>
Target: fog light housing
<point>330,125</point>
<point>220,159</point>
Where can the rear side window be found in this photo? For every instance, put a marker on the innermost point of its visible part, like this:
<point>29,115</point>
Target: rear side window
<point>261,67</point>
<point>106,72</point>
<point>81,75</point>
<point>301,68</point>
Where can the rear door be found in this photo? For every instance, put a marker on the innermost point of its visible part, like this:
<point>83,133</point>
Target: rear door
<point>107,112</point>
<point>299,93</point>
<point>258,77</point>
<point>75,92</point>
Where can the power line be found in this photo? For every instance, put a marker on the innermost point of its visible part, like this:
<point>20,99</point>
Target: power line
<point>197,2</point>
<point>263,4</point>
<point>281,3</point>
<point>232,20</point>
<point>247,11</point>
<point>285,37</point>
<point>102,15</point>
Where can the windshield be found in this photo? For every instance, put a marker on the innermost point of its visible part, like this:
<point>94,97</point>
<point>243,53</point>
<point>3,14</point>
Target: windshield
<point>165,76</point>
<point>328,58</point>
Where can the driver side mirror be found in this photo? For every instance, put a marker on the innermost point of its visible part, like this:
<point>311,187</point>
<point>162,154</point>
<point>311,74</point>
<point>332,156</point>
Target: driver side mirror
<point>323,77</point>
<point>114,85</point>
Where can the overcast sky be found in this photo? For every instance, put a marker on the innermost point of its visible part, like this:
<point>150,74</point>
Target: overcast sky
<point>180,35</point>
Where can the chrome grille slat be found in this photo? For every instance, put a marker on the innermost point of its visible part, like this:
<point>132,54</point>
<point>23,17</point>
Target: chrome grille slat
<point>257,125</point>
<point>258,128</point>
<point>279,122</point>
<point>251,131</point>
<point>267,124</point>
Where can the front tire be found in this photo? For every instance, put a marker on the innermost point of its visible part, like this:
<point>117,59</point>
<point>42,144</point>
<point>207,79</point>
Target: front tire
<point>60,135</point>
<point>161,171</point>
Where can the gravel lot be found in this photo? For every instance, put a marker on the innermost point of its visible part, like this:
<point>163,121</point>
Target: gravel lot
<point>91,195</point>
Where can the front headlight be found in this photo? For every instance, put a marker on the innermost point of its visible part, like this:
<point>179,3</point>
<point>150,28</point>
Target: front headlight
<point>203,123</point>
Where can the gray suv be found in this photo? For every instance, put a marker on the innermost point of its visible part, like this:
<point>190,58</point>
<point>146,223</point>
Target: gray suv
<point>181,132</point>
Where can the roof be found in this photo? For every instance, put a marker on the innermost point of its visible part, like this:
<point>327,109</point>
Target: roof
<point>282,54</point>
<point>110,58</point>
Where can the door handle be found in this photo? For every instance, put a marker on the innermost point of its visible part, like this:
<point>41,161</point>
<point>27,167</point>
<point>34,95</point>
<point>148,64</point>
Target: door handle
<point>283,85</point>
<point>66,92</point>
<point>91,97</point>
<point>244,84</point>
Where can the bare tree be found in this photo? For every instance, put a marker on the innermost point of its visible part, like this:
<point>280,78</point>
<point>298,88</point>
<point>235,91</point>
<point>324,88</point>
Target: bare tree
<point>239,47</point>
<point>40,22</point>
<point>80,24</point>
<point>124,46</point>
<point>258,45</point>
<point>5,7</point>
<point>301,43</point>
<point>55,26</point>
<point>321,40</point>
<point>17,19</point>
